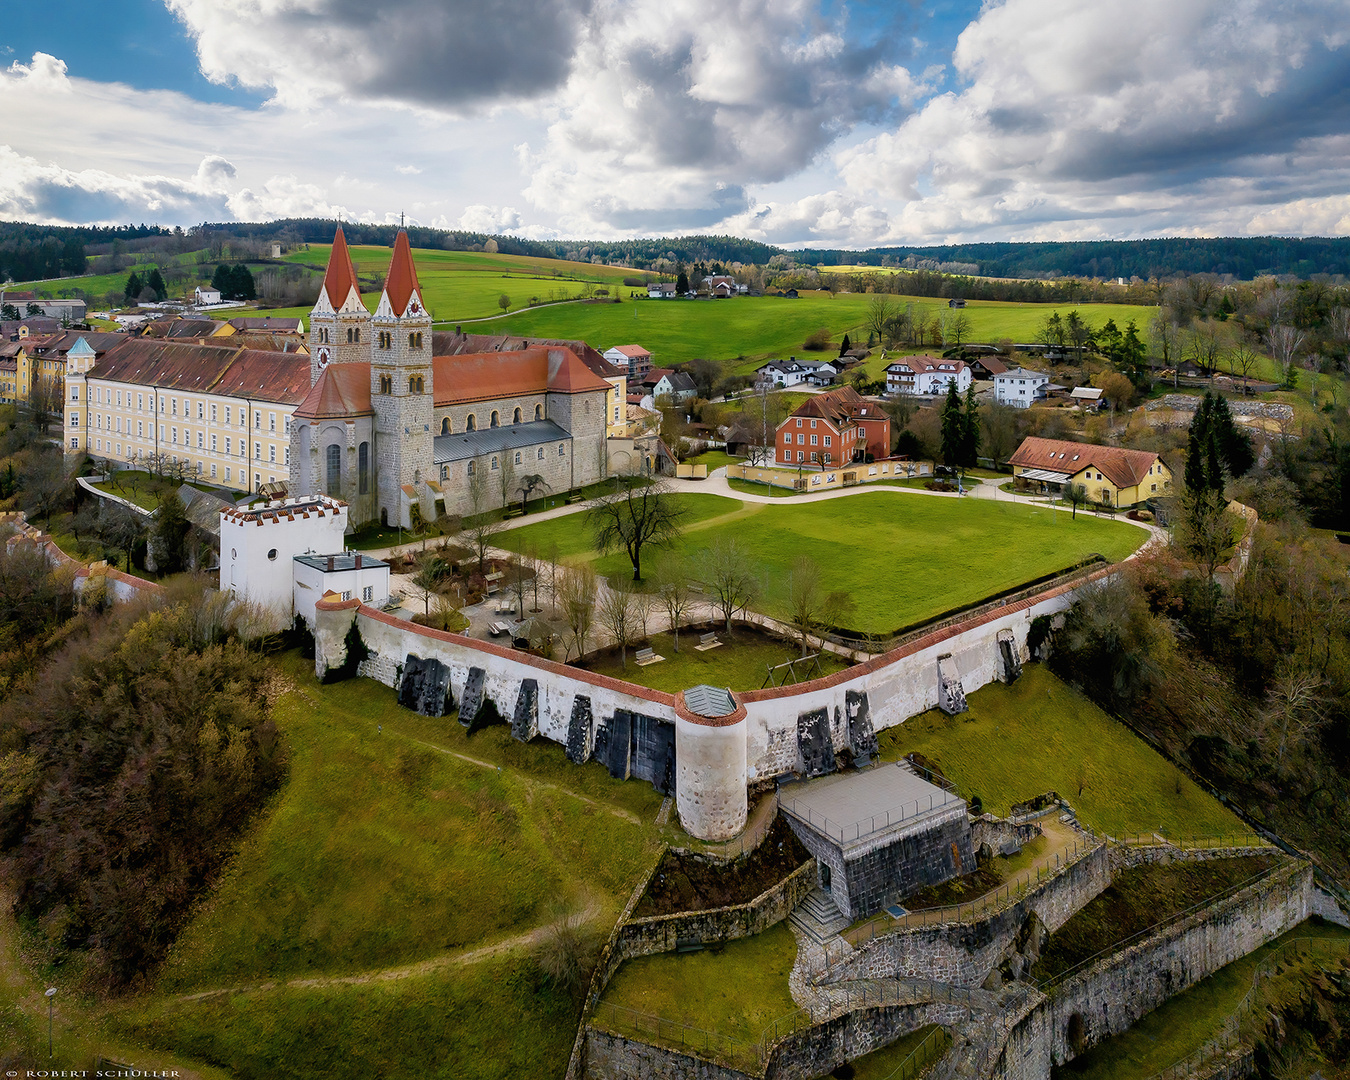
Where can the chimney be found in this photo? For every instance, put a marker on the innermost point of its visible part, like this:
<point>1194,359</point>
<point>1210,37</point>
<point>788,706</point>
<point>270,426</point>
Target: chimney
<point>330,564</point>
<point>358,561</point>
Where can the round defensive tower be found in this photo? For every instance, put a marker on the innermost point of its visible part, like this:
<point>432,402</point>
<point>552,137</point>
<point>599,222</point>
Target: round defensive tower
<point>710,751</point>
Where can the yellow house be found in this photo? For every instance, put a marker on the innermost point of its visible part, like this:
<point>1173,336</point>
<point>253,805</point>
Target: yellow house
<point>1109,473</point>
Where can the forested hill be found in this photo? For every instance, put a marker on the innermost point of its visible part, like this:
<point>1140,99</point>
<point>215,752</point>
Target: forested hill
<point>28,251</point>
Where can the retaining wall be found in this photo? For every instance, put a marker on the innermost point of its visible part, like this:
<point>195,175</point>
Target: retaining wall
<point>963,954</point>
<point>661,933</point>
<point>1114,993</point>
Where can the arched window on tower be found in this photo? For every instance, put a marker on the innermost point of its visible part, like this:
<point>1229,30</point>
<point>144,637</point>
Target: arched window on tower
<point>494,464</point>
<point>386,384</point>
<point>469,471</point>
<point>538,412</point>
<point>445,428</point>
<point>496,419</point>
<point>471,423</point>
<point>412,384</point>
<point>363,468</point>
<point>334,462</point>
<point>515,419</point>
<point>349,335</point>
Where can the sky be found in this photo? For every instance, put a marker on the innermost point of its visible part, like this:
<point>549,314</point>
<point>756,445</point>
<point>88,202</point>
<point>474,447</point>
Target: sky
<point>812,123</point>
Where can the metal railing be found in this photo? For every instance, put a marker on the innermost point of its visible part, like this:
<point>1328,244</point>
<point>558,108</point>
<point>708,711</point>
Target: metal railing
<point>1230,1033</point>
<point>1047,984</point>
<point>1195,843</point>
<point>1007,894</point>
<point>671,1033</point>
<point>856,830</point>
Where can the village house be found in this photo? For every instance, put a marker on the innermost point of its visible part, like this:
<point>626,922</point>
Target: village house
<point>833,428</point>
<point>675,386</point>
<point>660,290</point>
<point>1020,388</point>
<point>204,295</point>
<point>926,375</point>
<point>635,358</point>
<point>986,367</point>
<point>1111,474</point>
<point>791,372</point>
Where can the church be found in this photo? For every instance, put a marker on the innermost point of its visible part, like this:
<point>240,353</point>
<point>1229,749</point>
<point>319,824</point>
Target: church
<point>398,422</point>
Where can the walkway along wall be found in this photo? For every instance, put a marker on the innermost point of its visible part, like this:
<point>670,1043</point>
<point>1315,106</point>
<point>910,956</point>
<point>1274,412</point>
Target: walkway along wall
<point>633,729</point>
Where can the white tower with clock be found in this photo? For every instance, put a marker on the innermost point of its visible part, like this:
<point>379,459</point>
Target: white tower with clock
<point>339,329</point>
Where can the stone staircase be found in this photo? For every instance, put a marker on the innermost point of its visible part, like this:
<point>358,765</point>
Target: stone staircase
<point>818,917</point>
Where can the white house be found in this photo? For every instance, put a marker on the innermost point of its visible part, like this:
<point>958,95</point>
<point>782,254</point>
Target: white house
<point>677,386</point>
<point>204,295</point>
<point>1020,388</point>
<point>660,290</point>
<point>259,544</point>
<point>792,371</point>
<point>348,575</point>
<point>926,375</point>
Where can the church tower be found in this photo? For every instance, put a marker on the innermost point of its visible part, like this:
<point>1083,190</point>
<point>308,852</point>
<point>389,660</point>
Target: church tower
<point>401,391</point>
<point>339,325</point>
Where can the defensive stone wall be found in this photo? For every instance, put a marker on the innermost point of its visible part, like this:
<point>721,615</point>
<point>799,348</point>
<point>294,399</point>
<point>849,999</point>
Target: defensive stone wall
<point>662,933</point>
<point>964,954</point>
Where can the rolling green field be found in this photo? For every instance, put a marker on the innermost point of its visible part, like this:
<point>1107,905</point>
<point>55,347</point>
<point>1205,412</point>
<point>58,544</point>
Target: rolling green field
<point>1039,735</point>
<point>903,557</point>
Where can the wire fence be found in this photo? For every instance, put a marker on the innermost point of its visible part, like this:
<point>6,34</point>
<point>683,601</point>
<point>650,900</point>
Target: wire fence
<point>1047,984</point>
<point>936,1043</point>
<point>1195,843</point>
<point>1230,1034</point>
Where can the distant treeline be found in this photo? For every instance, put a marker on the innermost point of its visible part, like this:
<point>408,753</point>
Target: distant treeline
<point>1244,257</point>
<point>29,252</point>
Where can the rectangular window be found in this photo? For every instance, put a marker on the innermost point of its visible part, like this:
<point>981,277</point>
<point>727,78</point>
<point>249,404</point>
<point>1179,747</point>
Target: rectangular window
<point>74,421</point>
<point>140,401</point>
<point>827,440</point>
<point>175,406</point>
<point>257,451</point>
<point>213,413</point>
<point>199,410</point>
<point>227,472</point>
<point>368,593</point>
<point>227,414</point>
<point>213,442</point>
<point>801,440</point>
<point>74,393</point>
<point>200,437</point>
<point>140,429</point>
<point>175,435</point>
<point>271,421</point>
<point>813,442</point>
<point>257,420</point>
<point>800,455</point>
<point>227,443</point>
<point>813,456</point>
<point>799,423</point>
<point>813,425</point>
<point>272,452</point>
<point>213,469</point>
<point>288,455</point>
<point>346,594</point>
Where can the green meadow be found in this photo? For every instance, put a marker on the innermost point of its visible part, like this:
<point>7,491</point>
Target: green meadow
<point>901,556</point>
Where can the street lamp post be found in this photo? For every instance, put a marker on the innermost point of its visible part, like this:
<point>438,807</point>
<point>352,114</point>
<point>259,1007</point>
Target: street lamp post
<point>51,1000</point>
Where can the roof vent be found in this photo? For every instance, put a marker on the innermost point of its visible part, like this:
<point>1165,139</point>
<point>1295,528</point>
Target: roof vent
<point>710,701</point>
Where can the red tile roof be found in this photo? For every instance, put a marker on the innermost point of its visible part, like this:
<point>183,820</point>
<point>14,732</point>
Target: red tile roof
<point>836,406</point>
<point>446,343</point>
<point>1124,468</point>
<point>267,376</point>
<point>340,277</point>
<point>633,352</point>
<point>402,281</point>
<point>484,376</point>
<point>342,390</point>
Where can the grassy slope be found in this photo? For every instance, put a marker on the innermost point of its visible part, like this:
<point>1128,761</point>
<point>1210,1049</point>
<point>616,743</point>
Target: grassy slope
<point>736,990</point>
<point>1040,735</point>
<point>902,557</point>
<point>381,852</point>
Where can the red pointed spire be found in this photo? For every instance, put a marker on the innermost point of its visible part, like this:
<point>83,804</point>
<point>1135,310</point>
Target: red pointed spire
<point>402,280</point>
<point>340,276</point>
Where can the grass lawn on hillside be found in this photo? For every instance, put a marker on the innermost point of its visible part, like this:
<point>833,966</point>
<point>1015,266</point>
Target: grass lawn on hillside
<point>1041,735</point>
<point>740,663</point>
<point>410,846</point>
<point>1180,1027</point>
<point>349,870</point>
<point>884,1064</point>
<point>756,487</point>
<point>735,990</point>
<point>714,459</point>
<point>903,557</point>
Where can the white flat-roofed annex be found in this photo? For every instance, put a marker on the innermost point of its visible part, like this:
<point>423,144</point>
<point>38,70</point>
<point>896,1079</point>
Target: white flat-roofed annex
<point>861,810</point>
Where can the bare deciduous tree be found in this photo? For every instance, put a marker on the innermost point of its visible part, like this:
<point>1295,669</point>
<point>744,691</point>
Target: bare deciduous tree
<point>575,590</point>
<point>672,588</point>
<point>809,608</point>
<point>730,576</point>
<point>618,612</point>
<point>1285,342</point>
<point>636,517</point>
<point>482,525</point>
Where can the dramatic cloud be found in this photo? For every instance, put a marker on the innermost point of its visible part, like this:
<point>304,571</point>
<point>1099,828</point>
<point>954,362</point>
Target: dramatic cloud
<point>1138,116</point>
<point>674,108</point>
<point>489,219</point>
<point>437,54</point>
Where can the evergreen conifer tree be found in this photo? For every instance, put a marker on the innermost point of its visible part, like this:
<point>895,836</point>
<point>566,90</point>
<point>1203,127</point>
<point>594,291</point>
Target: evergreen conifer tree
<point>134,286</point>
<point>953,427</point>
<point>222,281</point>
<point>155,281</point>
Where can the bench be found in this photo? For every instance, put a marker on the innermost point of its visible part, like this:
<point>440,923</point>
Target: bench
<point>574,499</point>
<point>513,512</point>
<point>648,656</point>
<point>496,629</point>
<point>706,642</point>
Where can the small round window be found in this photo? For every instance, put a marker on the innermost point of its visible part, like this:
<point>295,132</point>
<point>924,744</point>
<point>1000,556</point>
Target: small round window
<point>272,554</point>
<point>234,554</point>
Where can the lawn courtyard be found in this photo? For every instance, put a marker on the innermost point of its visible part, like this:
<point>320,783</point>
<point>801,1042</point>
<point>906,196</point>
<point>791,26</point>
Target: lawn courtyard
<point>902,556</point>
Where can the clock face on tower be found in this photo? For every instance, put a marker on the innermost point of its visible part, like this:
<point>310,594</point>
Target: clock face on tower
<point>324,356</point>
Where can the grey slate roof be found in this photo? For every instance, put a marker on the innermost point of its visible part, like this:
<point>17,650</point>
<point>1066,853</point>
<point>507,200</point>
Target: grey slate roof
<point>472,444</point>
<point>709,701</point>
<point>345,560</point>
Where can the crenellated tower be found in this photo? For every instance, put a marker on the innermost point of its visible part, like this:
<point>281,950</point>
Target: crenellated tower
<point>339,324</point>
<point>401,391</point>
